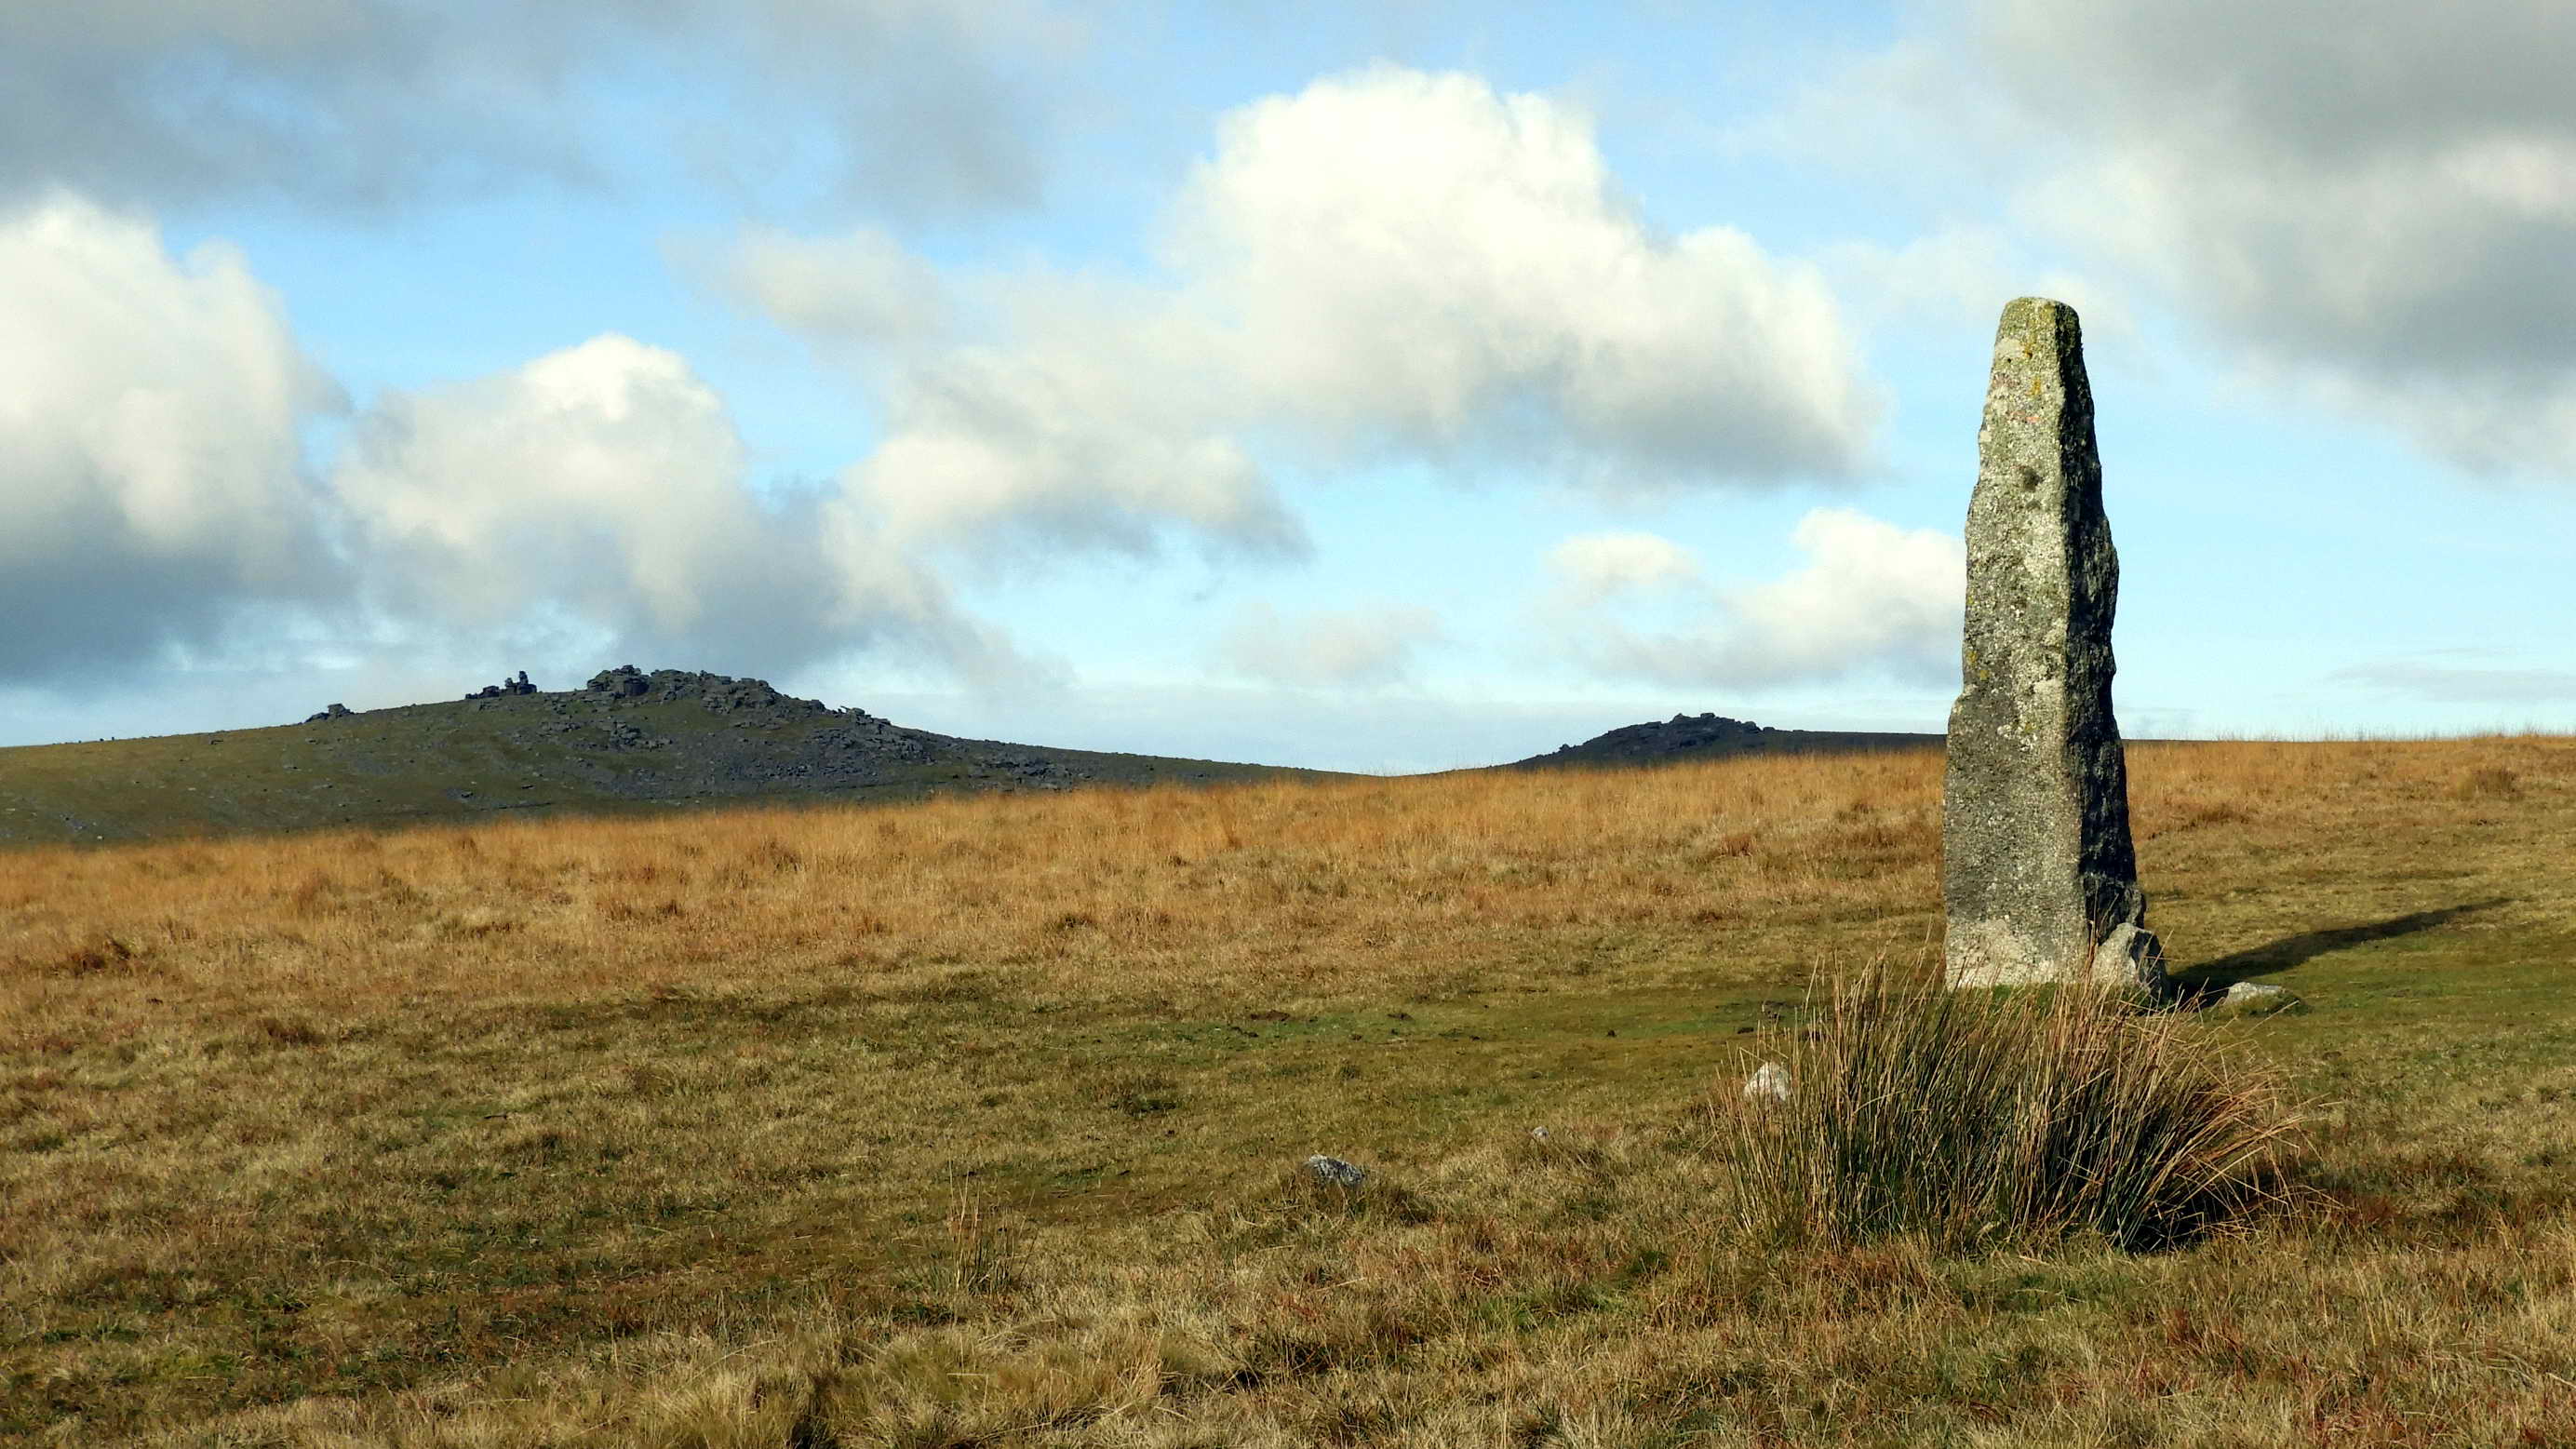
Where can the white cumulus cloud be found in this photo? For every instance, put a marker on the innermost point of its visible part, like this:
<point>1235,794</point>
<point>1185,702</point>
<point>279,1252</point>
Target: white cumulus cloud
<point>151,483</point>
<point>1593,567</point>
<point>1048,451</point>
<point>1329,648</point>
<point>1871,598</point>
<point>1387,262</point>
<point>156,506</point>
<point>1870,591</point>
<point>1415,256</point>
<point>606,484</point>
<point>859,286</point>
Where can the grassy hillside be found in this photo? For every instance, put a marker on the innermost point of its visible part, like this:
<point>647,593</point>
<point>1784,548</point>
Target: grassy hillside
<point>688,740</point>
<point>977,1122</point>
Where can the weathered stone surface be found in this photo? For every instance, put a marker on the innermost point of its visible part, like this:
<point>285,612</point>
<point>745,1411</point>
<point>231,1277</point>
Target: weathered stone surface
<point>507,686</point>
<point>1769,1083</point>
<point>2039,876</point>
<point>624,682</point>
<point>2133,956</point>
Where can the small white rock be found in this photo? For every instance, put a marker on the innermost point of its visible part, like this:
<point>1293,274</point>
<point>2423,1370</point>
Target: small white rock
<point>1335,1171</point>
<point>2253,998</point>
<point>1769,1081</point>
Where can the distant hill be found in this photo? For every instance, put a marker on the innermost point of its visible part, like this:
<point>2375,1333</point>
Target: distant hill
<point>626,741</point>
<point>1709,736</point>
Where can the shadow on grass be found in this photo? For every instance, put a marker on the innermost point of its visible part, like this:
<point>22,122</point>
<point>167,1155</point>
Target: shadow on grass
<point>2212,977</point>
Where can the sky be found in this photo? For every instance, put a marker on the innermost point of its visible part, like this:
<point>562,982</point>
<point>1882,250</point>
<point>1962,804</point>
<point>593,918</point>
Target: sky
<point>1384,387</point>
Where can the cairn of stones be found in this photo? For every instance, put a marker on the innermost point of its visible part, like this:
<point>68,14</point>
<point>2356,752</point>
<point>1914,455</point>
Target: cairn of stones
<point>2039,878</point>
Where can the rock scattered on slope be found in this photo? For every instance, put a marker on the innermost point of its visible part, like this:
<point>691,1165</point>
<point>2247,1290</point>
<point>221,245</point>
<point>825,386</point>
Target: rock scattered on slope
<point>1769,1083</point>
<point>519,685</point>
<point>2254,998</point>
<point>1335,1172</point>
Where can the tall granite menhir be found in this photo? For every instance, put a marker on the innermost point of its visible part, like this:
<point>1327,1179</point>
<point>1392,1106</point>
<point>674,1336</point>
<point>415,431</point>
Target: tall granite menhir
<point>2038,875</point>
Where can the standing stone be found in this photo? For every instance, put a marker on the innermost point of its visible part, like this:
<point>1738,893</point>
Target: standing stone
<point>2038,874</point>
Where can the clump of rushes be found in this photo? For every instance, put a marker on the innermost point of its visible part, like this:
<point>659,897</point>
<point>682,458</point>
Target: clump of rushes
<point>2003,1118</point>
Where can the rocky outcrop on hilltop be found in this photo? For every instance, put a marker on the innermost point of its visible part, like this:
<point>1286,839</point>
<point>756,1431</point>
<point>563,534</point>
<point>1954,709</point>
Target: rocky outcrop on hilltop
<point>717,693</point>
<point>1662,739</point>
<point>1659,738</point>
<point>669,733</point>
<point>1708,736</point>
<point>519,685</point>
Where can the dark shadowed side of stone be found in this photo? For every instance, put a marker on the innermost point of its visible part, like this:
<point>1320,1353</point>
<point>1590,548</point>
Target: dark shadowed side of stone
<point>2038,871</point>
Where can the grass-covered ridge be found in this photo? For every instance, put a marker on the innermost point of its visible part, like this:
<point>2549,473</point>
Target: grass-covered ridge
<point>976,1122</point>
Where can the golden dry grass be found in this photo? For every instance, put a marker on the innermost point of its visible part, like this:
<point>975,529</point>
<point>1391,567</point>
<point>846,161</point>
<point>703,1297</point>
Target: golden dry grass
<point>975,1122</point>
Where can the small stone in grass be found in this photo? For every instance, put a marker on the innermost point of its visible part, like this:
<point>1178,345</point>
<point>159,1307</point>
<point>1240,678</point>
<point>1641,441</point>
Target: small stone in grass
<point>1335,1171</point>
<point>2253,998</point>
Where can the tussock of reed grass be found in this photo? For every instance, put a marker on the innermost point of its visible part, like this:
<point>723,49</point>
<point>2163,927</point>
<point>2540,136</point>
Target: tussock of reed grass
<point>2002,1119</point>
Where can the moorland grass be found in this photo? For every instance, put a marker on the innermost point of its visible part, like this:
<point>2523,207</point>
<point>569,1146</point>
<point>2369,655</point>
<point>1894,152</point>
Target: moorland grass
<point>976,1122</point>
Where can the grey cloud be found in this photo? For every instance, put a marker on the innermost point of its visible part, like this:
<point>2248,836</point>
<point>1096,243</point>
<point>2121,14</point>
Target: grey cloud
<point>102,613</point>
<point>931,109</point>
<point>2374,203</point>
<point>938,108</point>
<point>345,103</point>
<point>2385,203</point>
<point>2351,81</point>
